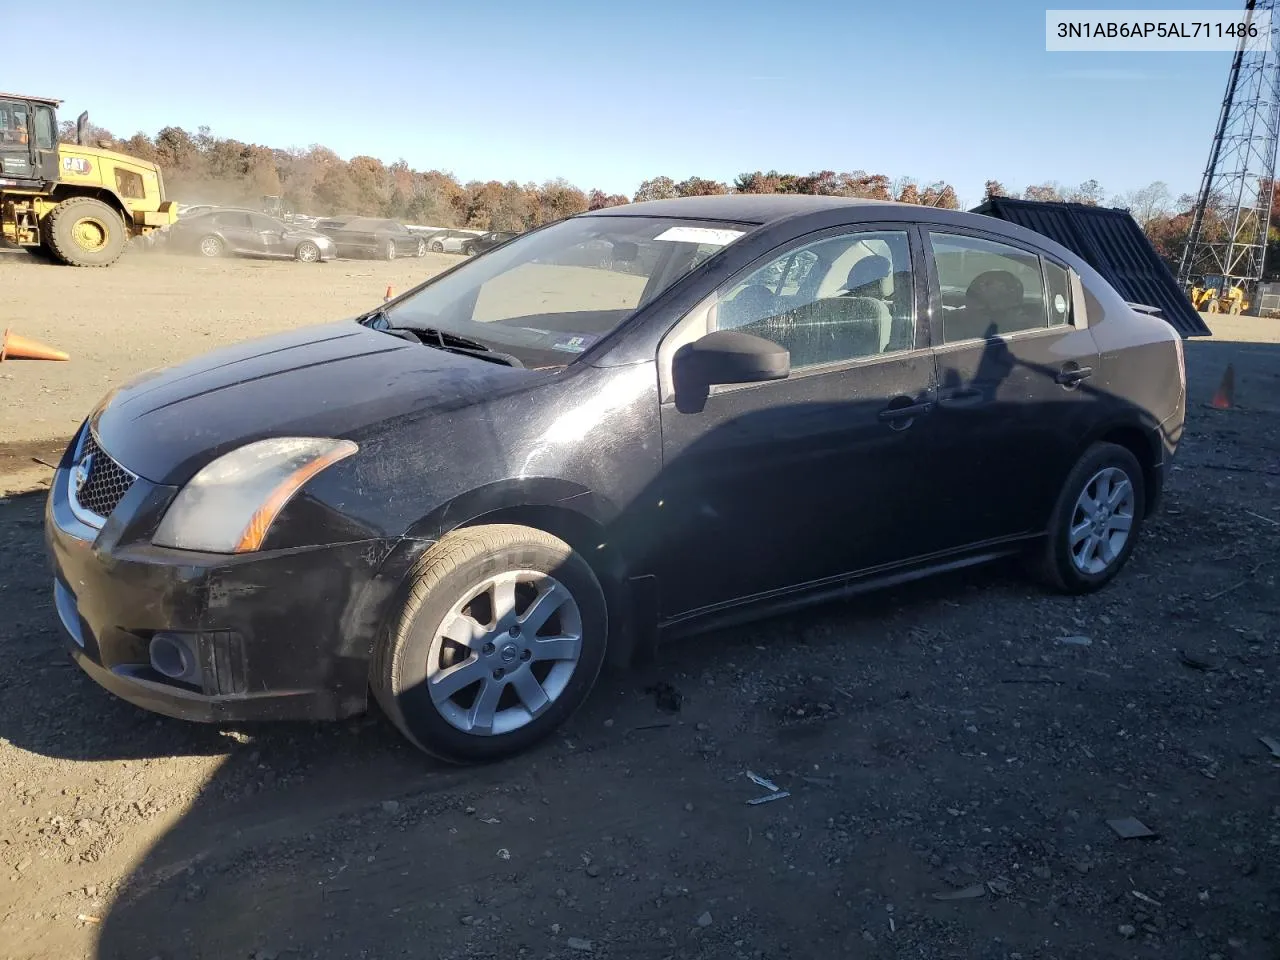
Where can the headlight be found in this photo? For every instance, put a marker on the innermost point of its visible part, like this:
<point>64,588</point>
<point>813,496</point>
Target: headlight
<point>229,506</point>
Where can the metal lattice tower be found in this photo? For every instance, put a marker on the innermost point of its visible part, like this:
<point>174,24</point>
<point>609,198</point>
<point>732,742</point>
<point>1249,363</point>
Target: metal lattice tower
<point>1228,234</point>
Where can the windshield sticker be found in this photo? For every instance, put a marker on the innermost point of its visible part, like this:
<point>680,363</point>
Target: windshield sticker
<point>719,238</point>
<point>574,344</point>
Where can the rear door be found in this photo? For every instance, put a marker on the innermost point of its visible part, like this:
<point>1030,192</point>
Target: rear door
<point>801,481</point>
<point>236,229</point>
<point>1014,401</point>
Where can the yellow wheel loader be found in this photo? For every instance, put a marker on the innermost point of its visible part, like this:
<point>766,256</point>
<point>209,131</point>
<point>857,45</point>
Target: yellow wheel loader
<point>79,204</point>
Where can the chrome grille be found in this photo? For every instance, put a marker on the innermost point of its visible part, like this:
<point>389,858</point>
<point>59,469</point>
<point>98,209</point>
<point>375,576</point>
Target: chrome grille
<point>98,483</point>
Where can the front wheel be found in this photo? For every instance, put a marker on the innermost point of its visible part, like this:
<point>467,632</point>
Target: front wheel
<point>1095,523</point>
<point>308,252</point>
<point>499,638</point>
<point>437,247</point>
<point>85,232</point>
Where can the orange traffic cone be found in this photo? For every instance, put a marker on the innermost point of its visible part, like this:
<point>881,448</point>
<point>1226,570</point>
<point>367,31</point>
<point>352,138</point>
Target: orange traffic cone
<point>1225,398</point>
<point>15,347</point>
<point>387,295</point>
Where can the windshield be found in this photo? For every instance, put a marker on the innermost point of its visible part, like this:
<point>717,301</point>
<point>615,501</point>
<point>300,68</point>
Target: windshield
<point>546,296</point>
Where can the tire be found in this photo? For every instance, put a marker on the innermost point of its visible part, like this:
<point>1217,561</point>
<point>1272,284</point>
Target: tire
<point>437,247</point>
<point>468,250</point>
<point>1213,307</point>
<point>389,252</point>
<point>437,589</point>
<point>307,252</point>
<point>84,232</point>
<point>211,246</point>
<point>422,248</point>
<point>1057,564</point>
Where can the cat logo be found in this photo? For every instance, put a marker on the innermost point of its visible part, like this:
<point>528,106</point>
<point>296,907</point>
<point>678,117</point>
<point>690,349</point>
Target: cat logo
<point>80,165</point>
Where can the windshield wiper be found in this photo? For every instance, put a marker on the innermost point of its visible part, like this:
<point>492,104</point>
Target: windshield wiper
<point>440,339</point>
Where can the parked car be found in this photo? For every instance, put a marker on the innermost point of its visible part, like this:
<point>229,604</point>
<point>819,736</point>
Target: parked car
<point>487,241</point>
<point>450,241</point>
<point>468,498</point>
<point>248,233</point>
<point>371,237</point>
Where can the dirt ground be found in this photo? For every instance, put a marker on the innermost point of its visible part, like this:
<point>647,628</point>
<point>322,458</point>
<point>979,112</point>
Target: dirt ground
<point>952,751</point>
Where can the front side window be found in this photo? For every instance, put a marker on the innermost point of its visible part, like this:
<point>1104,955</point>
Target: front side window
<point>13,124</point>
<point>988,289</point>
<point>546,296</point>
<point>841,298</point>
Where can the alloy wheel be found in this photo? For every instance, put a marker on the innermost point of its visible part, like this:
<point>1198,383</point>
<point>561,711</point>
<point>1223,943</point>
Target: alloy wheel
<point>504,653</point>
<point>1102,520</point>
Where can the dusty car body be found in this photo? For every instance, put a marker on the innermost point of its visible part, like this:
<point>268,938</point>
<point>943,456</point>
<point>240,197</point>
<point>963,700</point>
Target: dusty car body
<point>373,238</point>
<point>486,241</point>
<point>470,498</point>
<point>247,233</point>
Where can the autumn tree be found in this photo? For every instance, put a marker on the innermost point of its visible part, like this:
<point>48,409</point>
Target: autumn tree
<point>700,187</point>
<point>993,189</point>
<point>659,188</point>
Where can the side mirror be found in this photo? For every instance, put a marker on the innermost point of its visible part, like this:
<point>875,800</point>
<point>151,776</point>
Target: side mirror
<point>722,357</point>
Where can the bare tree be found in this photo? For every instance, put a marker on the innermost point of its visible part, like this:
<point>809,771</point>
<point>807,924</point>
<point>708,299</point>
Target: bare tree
<point>1147,204</point>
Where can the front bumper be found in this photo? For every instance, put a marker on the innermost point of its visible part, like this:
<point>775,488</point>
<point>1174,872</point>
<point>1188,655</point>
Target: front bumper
<point>278,635</point>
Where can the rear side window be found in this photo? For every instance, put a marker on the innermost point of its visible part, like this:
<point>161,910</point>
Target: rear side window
<point>233,219</point>
<point>988,289</point>
<point>46,136</point>
<point>129,184</point>
<point>1059,283</point>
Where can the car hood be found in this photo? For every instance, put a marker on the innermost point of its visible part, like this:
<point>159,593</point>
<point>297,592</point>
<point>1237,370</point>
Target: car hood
<point>333,380</point>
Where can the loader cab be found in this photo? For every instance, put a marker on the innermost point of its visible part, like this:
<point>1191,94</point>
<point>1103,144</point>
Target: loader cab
<point>28,140</point>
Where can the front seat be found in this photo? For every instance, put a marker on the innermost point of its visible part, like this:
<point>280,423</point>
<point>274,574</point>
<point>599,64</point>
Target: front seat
<point>868,285</point>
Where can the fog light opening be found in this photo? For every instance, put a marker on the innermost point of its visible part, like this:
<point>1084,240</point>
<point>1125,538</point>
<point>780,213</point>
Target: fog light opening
<point>171,658</point>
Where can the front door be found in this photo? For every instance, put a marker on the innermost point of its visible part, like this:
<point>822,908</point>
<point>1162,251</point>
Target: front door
<point>44,135</point>
<point>797,482</point>
<point>1015,402</point>
<point>17,161</point>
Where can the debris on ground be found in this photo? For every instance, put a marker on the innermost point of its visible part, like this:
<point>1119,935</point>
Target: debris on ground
<point>760,781</point>
<point>1196,659</point>
<point>971,892</point>
<point>666,697</point>
<point>577,943</point>
<point>1272,744</point>
<point>1130,828</point>
<point>705,919</point>
<point>1076,641</point>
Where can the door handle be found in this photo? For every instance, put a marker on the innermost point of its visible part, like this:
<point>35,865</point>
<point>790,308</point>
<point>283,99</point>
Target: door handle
<point>909,412</point>
<point>962,398</point>
<point>1073,376</point>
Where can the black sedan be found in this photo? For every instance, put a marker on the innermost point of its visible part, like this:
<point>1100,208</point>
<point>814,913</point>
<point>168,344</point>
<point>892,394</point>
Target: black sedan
<point>487,241</point>
<point>247,233</point>
<point>373,238</point>
<point>469,499</point>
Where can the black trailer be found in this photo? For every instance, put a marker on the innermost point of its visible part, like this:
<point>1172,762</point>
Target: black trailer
<point>1111,242</point>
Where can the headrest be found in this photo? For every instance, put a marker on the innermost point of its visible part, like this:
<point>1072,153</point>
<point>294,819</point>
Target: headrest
<point>873,270</point>
<point>994,290</point>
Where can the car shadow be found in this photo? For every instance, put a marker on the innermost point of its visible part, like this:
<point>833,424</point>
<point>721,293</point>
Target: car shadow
<point>342,840</point>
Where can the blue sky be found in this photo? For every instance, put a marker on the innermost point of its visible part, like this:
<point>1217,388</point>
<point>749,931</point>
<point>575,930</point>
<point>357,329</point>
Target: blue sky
<point>609,94</point>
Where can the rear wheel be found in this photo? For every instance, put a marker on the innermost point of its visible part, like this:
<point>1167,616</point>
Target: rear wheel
<point>499,639</point>
<point>1214,307</point>
<point>437,246</point>
<point>1095,523</point>
<point>422,248</point>
<point>212,246</point>
<point>307,252</point>
<point>85,232</point>
<point>389,252</point>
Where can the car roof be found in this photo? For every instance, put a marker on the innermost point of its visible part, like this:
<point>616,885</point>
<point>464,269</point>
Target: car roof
<point>760,208</point>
